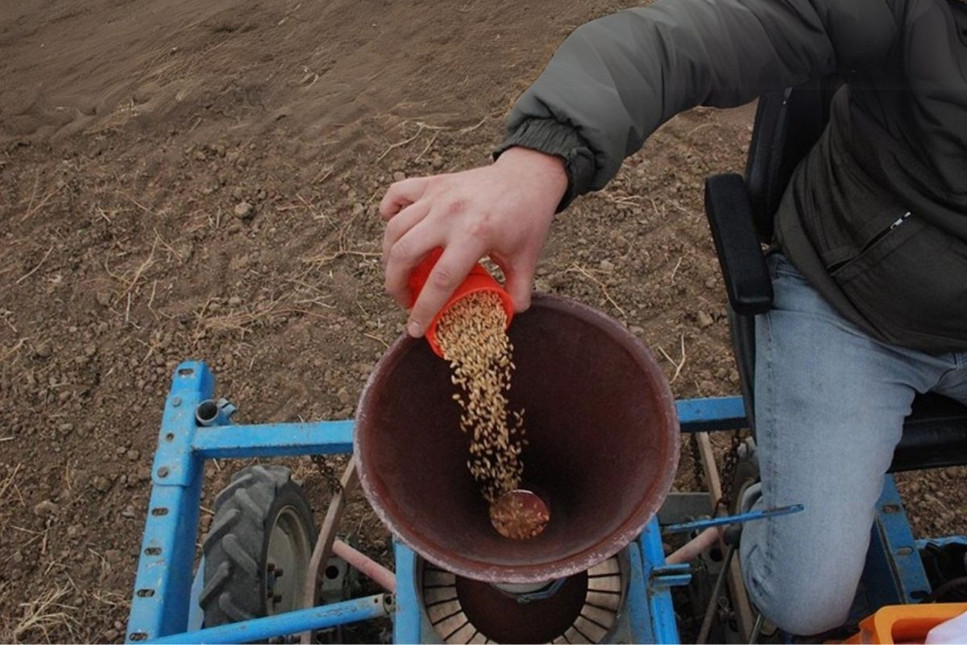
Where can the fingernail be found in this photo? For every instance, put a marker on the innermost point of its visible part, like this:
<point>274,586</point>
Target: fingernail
<point>414,329</point>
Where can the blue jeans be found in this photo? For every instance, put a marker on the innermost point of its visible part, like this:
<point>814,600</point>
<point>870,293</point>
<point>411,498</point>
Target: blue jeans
<point>829,404</point>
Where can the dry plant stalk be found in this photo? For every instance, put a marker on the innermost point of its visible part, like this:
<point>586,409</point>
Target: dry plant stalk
<point>472,334</point>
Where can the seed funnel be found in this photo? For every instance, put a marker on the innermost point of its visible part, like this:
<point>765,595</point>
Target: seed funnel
<point>479,279</point>
<point>603,447</point>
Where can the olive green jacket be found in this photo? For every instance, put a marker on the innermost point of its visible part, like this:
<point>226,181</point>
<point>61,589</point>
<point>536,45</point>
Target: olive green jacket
<point>896,142</point>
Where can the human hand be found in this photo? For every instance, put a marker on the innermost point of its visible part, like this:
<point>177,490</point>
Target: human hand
<point>503,211</point>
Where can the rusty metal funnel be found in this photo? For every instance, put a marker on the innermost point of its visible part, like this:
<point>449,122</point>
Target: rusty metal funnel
<point>602,453</point>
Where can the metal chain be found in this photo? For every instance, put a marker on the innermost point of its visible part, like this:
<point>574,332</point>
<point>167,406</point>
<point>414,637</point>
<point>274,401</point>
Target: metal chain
<point>328,473</point>
<point>697,470</point>
<point>728,471</point>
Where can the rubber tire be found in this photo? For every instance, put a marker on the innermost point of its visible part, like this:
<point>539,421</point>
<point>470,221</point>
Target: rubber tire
<point>237,545</point>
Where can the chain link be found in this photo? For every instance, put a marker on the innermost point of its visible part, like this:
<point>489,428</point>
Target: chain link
<point>697,471</point>
<point>728,472</point>
<point>328,473</point>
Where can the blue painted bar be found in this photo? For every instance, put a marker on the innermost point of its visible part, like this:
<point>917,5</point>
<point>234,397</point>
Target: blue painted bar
<point>163,581</point>
<point>196,617</point>
<point>899,545</point>
<point>274,440</point>
<point>941,541</point>
<point>408,621</point>
<point>718,413</point>
<point>637,600</point>
<point>701,525</point>
<point>662,612</point>
<point>292,622</point>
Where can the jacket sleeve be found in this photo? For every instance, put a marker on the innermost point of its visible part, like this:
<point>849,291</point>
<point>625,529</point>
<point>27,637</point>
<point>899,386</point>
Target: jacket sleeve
<point>615,80</point>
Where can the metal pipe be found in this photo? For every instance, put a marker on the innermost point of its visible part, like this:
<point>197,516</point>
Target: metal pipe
<point>210,413</point>
<point>365,565</point>
<point>713,601</point>
<point>327,535</point>
<point>759,621</point>
<point>698,544</point>
<point>292,622</point>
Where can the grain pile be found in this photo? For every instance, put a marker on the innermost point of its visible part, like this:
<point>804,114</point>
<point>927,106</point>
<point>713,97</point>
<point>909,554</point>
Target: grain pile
<point>472,335</point>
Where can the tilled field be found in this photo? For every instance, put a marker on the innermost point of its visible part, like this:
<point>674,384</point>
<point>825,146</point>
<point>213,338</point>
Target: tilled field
<point>199,180</point>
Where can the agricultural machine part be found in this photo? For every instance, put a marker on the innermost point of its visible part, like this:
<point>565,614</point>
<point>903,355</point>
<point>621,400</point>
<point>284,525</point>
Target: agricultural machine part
<point>478,280</point>
<point>582,608</point>
<point>603,447</point>
<point>726,520</point>
<point>214,413</point>
<point>327,535</point>
<point>258,548</point>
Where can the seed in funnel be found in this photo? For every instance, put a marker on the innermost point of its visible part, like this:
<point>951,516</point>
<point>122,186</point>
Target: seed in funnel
<point>519,515</point>
<point>472,335</point>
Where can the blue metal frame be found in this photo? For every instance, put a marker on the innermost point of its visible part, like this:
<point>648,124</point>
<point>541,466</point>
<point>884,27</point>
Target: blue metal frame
<point>894,571</point>
<point>408,623</point>
<point>292,622</point>
<point>161,609</point>
<point>719,413</point>
<point>660,577</point>
<point>651,614</point>
<point>163,582</point>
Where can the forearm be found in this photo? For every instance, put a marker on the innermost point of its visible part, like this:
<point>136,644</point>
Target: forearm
<point>617,79</point>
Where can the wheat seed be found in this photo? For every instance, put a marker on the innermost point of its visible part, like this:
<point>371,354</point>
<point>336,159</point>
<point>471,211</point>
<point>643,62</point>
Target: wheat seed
<point>472,335</point>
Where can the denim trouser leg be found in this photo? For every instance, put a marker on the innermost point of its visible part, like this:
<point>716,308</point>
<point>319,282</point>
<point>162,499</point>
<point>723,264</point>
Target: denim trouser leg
<point>830,404</point>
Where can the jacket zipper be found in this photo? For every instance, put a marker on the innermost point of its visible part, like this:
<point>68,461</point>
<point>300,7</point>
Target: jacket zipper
<point>876,238</point>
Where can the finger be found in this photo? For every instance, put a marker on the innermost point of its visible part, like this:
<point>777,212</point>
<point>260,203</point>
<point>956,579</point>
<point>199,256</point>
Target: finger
<point>405,254</point>
<point>519,283</point>
<point>450,270</point>
<point>405,220</point>
<point>402,194</point>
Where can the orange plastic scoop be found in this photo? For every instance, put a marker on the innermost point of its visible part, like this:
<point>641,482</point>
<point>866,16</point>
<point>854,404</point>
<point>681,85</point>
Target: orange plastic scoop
<point>479,279</point>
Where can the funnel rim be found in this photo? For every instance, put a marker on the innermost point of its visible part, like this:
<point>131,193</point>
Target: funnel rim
<point>627,529</point>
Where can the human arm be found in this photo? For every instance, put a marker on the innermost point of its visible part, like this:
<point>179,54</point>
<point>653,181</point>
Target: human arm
<point>608,87</point>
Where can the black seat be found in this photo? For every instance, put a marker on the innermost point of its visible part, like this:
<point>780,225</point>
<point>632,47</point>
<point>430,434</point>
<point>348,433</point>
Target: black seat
<point>740,212</point>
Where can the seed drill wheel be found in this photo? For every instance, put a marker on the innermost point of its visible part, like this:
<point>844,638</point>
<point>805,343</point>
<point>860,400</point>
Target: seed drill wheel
<point>258,549</point>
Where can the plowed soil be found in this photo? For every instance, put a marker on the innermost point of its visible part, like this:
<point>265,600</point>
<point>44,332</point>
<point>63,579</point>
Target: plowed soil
<point>183,179</point>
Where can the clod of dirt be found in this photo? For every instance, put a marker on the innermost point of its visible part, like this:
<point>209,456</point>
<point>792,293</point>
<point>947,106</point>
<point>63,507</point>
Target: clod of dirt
<point>101,483</point>
<point>244,210</point>
<point>704,319</point>
<point>45,508</point>
<point>42,350</point>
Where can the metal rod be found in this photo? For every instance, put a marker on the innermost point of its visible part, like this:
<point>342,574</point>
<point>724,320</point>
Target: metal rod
<point>365,565</point>
<point>327,534</point>
<point>292,622</point>
<point>756,628</point>
<point>721,520</point>
<point>699,544</point>
<point>713,601</point>
<point>740,599</point>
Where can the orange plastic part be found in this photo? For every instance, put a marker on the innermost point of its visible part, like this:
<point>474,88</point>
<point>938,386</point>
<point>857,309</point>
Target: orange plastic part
<point>479,279</point>
<point>905,623</point>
